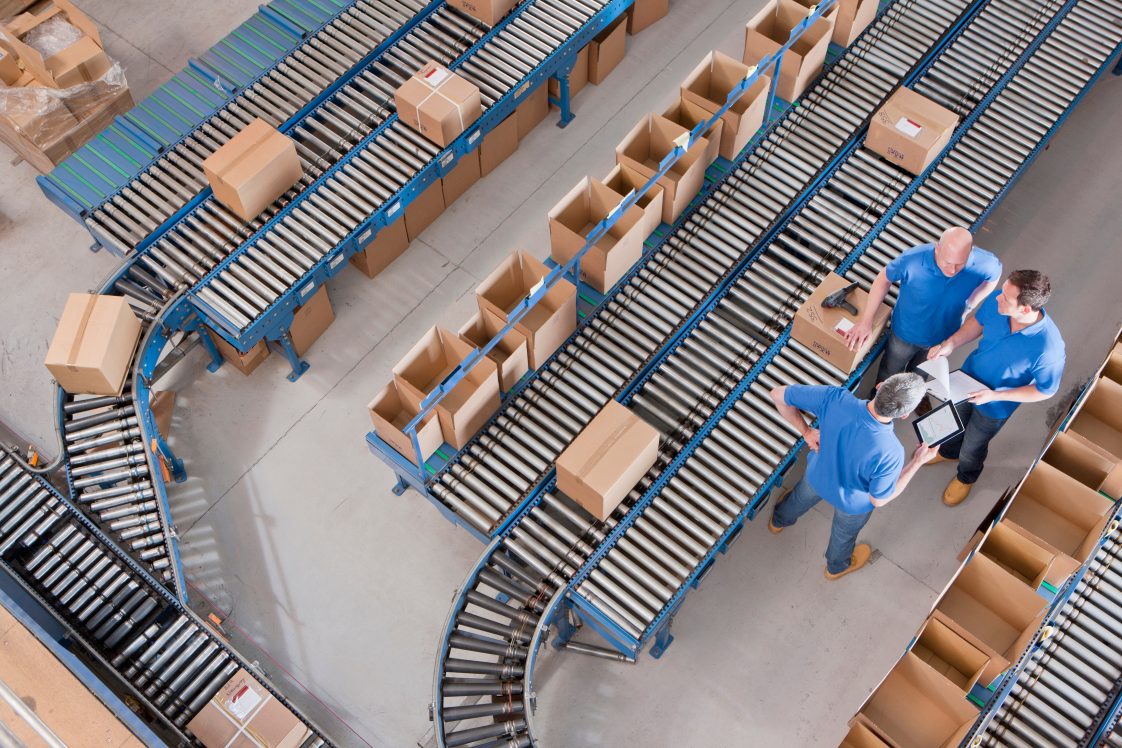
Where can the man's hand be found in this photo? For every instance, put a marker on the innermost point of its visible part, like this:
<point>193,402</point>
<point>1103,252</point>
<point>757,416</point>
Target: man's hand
<point>943,349</point>
<point>983,396</point>
<point>858,335</point>
<point>924,454</point>
<point>811,436</point>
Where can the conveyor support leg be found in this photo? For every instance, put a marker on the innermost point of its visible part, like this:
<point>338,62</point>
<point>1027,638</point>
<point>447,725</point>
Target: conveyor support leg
<point>400,487</point>
<point>216,359</point>
<point>299,365</point>
<point>662,639</point>
<point>563,101</point>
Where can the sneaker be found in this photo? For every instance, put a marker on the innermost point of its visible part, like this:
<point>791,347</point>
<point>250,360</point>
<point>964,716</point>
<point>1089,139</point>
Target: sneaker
<point>956,492</point>
<point>861,554</point>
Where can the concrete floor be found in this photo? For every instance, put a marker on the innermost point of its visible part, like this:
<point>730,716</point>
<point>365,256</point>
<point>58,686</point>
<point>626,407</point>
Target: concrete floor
<point>288,525</point>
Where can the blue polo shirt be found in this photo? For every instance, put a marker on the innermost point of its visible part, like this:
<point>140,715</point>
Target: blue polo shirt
<point>930,305</point>
<point>857,456</point>
<point>1004,359</point>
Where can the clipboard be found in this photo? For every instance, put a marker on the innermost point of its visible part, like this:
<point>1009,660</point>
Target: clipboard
<point>938,425</point>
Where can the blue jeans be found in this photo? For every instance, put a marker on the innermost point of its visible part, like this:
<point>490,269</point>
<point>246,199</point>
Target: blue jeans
<point>843,533</point>
<point>899,355</point>
<point>972,446</point>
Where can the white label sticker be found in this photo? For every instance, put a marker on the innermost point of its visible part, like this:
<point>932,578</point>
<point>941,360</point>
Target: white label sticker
<point>909,127</point>
<point>393,208</point>
<point>843,326</point>
<point>334,263</point>
<point>364,237</point>
<point>307,290</point>
<point>447,158</point>
<point>242,702</point>
<point>436,76</point>
<point>473,137</point>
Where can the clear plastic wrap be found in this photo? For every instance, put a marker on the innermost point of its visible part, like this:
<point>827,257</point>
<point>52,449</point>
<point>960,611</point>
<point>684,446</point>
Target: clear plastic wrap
<point>43,115</point>
<point>52,36</point>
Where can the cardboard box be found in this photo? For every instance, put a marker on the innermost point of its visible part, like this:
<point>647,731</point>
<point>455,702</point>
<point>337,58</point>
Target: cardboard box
<point>489,12</point>
<point>625,180</point>
<point>1099,418</point>
<point>861,735</point>
<point>817,328</point>
<point>253,169</point>
<point>571,220</point>
<point>162,405</point>
<point>910,130</point>
<point>81,62</point>
<point>605,461</point>
<point>644,13</point>
<point>853,17</point>
<point>689,115</point>
<point>465,409</point>
<point>438,103</point>
<point>549,323</point>
<point>388,244</point>
<point>9,67</point>
<point>950,655</point>
<point>1112,367</point>
<point>917,707</point>
<point>311,320</point>
<point>770,29</point>
<point>533,109</point>
<point>1017,554</point>
<point>650,141</point>
<point>390,411</point>
<point>246,362</point>
<point>464,174</point>
<point>511,355</point>
<point>606,50</point>
<point>425,208</point>
<point>578,78</point>
<point>243,715</point>
<point>1072,455</point>
<point>93,345</point>
<point>498,144</point>
<point>709,86</point>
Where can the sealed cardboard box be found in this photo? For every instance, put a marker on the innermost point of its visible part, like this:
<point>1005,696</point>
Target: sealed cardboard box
<point>605,461</point>
<point>438,103</point>
<point>606,50</point>
<point>463,175</point>
<point>533,109</point>
<point>424,209</point>
<point>243,715</point>
<point>578,77</point>
<point>1095,469</point>
<point>489,12</point>
<point>469,404</point>
<point>498,145</point>
<point>821,329</point>
<point>549,322</point>
<point>770,29</point>
<point>853,17</point>
<point>1017,554</point>
<point>246,362</point>
<point>625,180</point>
<point>388,244</point>
<point>644,13</point>
<point>571,220</point>
<point>916,706</point>
<point>652,140</point>
<point>390,412</point>
<point>511,355</point>
<point>910,130</point>
<point>689,115</point>
<point>253,169</point>
<point>709,86</point>
<point>93,344</point>
<point>9,67</point>
<point>1099,419</point>
<point>311,320</point>
<point>950,655</point>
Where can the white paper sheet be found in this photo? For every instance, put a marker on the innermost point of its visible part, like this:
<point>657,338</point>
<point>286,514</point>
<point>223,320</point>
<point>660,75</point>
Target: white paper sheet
<point>949,385</point>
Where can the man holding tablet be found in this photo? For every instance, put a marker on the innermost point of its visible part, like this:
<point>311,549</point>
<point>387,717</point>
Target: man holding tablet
<point>1019,359</point>
<point>856,463</point>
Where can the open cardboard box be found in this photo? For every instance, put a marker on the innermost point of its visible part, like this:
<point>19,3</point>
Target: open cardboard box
<point>1112,367</point>
<point>709,86</point>
<point>1099,418</point>
<point>510,354</point>
<point>689,115</point>
<point>1018,555</point>
<point>771,28</point>
<point>571,220</point>
<point>853,17</point>
<point>948,654</point>
<point>391,411</point>
<point>648,143</point>
<point>863,734</point>
<point>1071,454</point>
<point>624,180</point>
<point>83,61</point>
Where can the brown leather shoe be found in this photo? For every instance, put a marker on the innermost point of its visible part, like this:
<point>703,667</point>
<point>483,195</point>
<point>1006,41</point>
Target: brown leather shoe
<point>861,554</point>
<point>956,492</point>
<point>939,458</point>
<point>771,526</point>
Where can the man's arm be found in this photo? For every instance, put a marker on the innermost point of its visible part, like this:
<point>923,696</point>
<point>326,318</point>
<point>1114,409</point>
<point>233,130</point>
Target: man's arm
<point>860,332</point>
<point>1028,393</point>
<point>923,455</point>
<point>970,331</point>
<point>794,416</point>
<point>980,293</point>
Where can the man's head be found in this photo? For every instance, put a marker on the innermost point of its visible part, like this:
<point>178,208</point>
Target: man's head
<point>953,250</point>
<point>898,395</point>
<point>1024,293</point>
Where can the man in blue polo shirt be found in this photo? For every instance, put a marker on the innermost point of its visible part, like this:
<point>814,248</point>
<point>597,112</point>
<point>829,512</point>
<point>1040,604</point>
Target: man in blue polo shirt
<point>856,463</point>
<point>1019,359</point>
<point>938,284</point>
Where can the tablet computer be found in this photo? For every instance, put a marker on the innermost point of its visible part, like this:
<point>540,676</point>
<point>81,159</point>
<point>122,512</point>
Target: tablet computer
<point>938,425</point>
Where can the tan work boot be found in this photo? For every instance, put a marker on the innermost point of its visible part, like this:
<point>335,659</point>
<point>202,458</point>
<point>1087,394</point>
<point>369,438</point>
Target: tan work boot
<point>861,554</point>
<point>771,526</point>
<point>939,458</point>
<point>956,492</point>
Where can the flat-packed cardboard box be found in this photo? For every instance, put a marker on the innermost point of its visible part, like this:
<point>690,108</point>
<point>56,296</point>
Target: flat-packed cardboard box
<point>533,109</point>
<point>625,180</point>
<point>465,409</point>
<point>511,355</point>
<point>438,103</point>
<point>489,12</point>
<point>948,654</point>
<point>853,17</point>
<point>571,220</point>
<point>80,62</point>
<point>644,13</point>
<point>246,362</point>
<point>863,734</point>
<point>390,411</point>
<point>388,244</point>
<point>463,175</point>
<point>1018,555</point>
<point>606,50</point>
<point>253,169</point>
<point>689,115</point>
<point>546,325</point>
<point>917,707</point>
<point>650,141</point>
<point>311,320</point>
<point>92,348</point>
<point>162,405</point>
<point>1072,455</point>
<point>578,77</point>
<point>498,145</point>
<point>709,86</point>
<point>1099,419</point>
<point>910,130</point>
<point>770,29</point>
<point>424,209</point>
<point>819,329</point>
<point>605,461</point>
<point>244,715</point>
<point>9,67</point>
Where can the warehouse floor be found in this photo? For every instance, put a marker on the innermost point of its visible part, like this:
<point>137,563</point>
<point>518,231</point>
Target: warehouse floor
<point>287,522</point>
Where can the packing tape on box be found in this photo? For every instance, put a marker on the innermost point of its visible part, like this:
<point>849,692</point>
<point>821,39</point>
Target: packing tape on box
<point>76,344</point>
<point>605,447</point>
<point>437,92</point>
<point>242,729</point>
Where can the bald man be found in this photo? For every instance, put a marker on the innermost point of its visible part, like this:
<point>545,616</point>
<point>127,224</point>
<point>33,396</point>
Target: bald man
<point>939,283</point>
